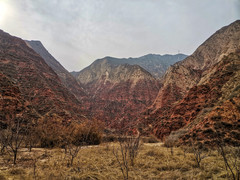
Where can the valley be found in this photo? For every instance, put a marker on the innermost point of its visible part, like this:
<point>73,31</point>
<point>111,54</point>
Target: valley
<point>169,116</point>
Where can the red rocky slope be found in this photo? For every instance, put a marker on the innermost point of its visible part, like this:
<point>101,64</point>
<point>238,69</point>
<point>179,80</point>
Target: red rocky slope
<point>219,115</point>
<point>12,104</point>
<point>37,82</point>
<point>118,93</point>
<point>166,114</point>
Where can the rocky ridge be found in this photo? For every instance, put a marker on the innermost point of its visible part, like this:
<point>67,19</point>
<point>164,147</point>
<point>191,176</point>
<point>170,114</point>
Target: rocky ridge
<point>35,81</point>
<point>190,86</point>
<point>66,78</point>
<point>153,63</point>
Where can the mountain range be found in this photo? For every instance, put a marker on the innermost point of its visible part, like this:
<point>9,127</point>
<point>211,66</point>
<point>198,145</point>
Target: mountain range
<point>154,63</point>
<point>179,97</point>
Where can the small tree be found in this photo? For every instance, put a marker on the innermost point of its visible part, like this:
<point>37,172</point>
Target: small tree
<point>12,137</point>
<point>122,159</point>
<point>126,153</point>
<point>133,144</point>
<point>198,154</point>
<point>231,158</point>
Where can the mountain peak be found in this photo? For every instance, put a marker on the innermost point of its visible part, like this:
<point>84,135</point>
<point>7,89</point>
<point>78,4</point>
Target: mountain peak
<point>66,78</point>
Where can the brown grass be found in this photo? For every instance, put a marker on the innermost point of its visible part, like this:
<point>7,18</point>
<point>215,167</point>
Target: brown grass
<point>98,162</point>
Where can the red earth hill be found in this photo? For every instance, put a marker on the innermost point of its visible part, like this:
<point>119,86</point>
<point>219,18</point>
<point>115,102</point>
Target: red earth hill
<point>35,82</point>
<point>188,79</point>
<point>118,92</point>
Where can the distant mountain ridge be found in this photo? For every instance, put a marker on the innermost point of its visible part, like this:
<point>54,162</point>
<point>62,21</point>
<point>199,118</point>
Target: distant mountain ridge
<point>153,63</point>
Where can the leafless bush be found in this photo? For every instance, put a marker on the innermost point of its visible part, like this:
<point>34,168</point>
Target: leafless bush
<point>121,155</point>
<point>12,137</point>
<point>126,153</point>
<point>230,155</point>
<point>133,144</point>
<point>73,152</point>
<point>198,153</point>
<point>231,158</point>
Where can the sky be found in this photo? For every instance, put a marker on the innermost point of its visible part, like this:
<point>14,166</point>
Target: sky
<point>77,32</point>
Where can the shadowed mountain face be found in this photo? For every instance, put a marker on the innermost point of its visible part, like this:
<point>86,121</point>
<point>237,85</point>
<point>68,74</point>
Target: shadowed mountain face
<point>195,87</point>
<point>153,63</point>
<point>66,78</point>
<point>33,82</point>
<point>118,92</point>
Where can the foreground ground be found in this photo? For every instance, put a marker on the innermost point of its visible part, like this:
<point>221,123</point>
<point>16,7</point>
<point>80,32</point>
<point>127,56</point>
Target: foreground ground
<point>98,162</point>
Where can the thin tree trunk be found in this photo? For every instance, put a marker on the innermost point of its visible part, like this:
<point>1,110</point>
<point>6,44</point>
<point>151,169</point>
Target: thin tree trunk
<point>15,157</point>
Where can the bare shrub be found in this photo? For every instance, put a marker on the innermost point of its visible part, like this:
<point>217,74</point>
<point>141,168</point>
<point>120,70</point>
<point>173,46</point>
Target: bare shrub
<point>73,152</point>
<point>126,153</point>
<point>121,155</point>
<point>12,137</point>
<point>198,153</point>
<point>231,158</point>
<point>133,144</point>
<point>172,140</point>
<point>230,155</point>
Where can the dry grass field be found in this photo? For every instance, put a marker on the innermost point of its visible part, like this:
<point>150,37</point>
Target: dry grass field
<point>154,161</point>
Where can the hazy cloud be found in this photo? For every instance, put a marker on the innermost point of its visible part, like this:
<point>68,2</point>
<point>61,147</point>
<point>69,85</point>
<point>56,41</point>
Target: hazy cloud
<point>77,32</point>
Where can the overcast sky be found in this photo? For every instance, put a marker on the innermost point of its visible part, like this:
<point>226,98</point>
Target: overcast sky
<point>77,32</point>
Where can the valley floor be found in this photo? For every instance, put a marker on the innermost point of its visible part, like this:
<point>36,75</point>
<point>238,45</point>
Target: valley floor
<point>154,161</point>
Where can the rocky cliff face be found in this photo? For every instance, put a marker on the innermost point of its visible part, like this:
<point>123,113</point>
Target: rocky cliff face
<point>66,78</point>
<point>192,86</point>
<point>33,81</point>
<point>118,93</point>
<point>192,70</point>
<point>218,113</point>
<point>153,63</point>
